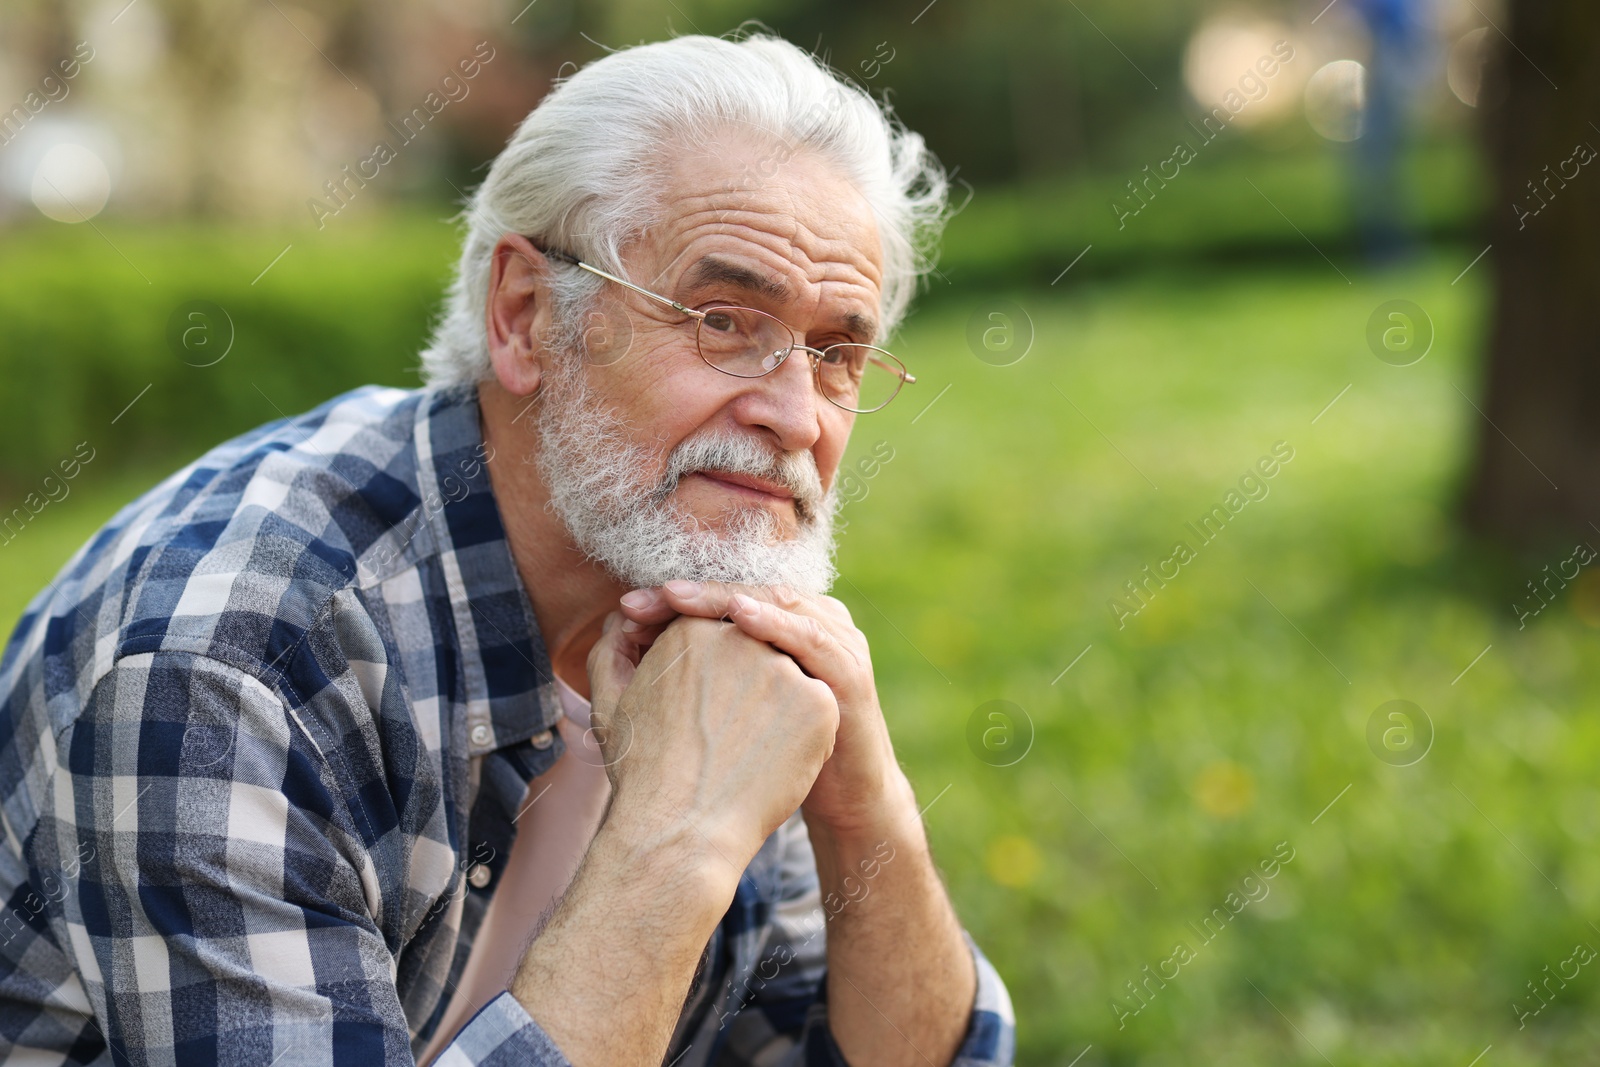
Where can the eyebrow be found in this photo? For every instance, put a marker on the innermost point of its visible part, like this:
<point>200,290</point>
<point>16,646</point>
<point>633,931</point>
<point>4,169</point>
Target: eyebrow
<point>863,326</point>
<point>714,269</point>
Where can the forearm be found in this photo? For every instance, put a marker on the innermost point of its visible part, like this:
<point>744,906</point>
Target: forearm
<point>607,977</point>
<point>900,976</point>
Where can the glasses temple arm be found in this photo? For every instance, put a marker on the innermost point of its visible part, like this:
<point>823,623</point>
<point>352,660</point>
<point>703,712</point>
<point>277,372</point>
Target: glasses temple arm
<point>575,261</point>
<point>907,377</point>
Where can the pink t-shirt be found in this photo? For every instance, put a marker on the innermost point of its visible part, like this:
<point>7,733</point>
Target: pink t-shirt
<point>558,820</point>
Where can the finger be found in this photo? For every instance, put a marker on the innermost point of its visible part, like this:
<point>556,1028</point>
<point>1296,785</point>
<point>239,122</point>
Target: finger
<point>714,600</point>
<point>646,607</point>
<point>612,662</point>
<point>640,635</point>
<point>803,637</point>
<point>658,605</point>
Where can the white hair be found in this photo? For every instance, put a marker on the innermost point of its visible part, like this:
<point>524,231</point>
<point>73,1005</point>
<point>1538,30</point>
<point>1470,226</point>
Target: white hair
<point>583,172</point>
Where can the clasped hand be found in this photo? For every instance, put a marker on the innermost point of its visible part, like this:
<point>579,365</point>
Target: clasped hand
<point>860,781</point>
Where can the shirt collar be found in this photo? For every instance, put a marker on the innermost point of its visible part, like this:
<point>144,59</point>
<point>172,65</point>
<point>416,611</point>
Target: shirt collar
<point>510,691</point>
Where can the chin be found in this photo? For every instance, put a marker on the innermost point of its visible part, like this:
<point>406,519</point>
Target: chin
<point>740,516</point>
<point>747,521</point>
<point>743,545</point>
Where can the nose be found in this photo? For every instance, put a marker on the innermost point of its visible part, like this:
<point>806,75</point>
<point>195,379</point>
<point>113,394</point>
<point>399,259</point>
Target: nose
<point>786,401</point>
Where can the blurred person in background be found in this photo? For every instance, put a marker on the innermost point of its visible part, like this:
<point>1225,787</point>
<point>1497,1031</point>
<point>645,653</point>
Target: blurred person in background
<point>508,719</point>
<point>1400,36</point>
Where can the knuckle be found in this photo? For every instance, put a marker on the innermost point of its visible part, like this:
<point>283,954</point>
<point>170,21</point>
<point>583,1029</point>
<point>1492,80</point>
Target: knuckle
<point>811,630</point>
<point>823,705</point>
<point>838,609</point>
<point>781,663</point>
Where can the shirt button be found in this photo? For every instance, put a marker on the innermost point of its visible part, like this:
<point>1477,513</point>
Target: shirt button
<point>479,876</point>
<point>480,734</point>
<point>543,739</point>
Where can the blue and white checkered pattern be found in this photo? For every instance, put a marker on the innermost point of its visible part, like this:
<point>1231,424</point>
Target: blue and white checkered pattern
<point>257,733</point>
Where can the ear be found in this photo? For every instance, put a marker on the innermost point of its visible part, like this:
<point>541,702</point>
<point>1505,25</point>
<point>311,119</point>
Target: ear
<point>517,314</point>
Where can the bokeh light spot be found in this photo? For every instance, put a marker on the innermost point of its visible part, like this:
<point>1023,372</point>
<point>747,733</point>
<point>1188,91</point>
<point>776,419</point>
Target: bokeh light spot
<point>1225,55</point>
<point>1464,69</point>
<point>1336,100</point>
<point>71,184</point>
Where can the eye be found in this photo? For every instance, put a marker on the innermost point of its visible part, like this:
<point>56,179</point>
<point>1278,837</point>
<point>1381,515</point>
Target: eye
<point>853,357</point>
<point>720,321</point>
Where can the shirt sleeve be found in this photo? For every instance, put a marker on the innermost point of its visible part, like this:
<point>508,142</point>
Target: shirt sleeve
<point>225,910</point>
<point>782,1017</point>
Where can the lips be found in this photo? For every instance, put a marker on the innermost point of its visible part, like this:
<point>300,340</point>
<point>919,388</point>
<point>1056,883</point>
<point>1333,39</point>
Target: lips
<point>746,481</point>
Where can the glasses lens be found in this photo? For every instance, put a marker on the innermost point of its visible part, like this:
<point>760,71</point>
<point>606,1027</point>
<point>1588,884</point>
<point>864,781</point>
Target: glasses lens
<point>743,342</point>
<point>859,377</point>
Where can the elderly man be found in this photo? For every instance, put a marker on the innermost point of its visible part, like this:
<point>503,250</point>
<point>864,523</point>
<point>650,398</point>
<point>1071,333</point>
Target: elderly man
<point>298,756</point>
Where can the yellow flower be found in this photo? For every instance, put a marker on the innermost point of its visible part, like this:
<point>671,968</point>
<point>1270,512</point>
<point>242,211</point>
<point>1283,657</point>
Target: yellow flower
<point>1012,861</point>
<point>1224,789</point>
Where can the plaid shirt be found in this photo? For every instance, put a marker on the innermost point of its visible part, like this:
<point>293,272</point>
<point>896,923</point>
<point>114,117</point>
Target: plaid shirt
<point>262,744</point>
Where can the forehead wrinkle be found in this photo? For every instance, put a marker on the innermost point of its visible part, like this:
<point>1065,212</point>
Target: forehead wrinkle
<point>817,272</point>
<point>775,223</point>
<point>689,222</point>
<point>781,233</point>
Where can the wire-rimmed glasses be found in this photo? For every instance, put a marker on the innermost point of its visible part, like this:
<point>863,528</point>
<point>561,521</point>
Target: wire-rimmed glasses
<point>747,343</point>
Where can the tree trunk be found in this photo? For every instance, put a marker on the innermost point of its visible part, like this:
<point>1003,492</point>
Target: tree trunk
<point>1537,473</point>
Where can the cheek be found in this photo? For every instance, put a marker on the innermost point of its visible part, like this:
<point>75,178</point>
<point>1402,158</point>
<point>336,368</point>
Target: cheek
<point>829,449</point>
<point>662,387</point>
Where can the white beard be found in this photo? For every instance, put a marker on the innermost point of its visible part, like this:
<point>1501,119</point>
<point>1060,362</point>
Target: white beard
<point>601,488</point>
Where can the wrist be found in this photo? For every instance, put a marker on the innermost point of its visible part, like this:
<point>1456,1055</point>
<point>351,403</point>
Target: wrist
<point>891,823</point>
<point>667,850</point>
<point>889,808</point>
<point>643,882</point>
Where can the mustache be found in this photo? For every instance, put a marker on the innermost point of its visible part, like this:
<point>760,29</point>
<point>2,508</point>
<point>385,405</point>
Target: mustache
<point>737,454</point>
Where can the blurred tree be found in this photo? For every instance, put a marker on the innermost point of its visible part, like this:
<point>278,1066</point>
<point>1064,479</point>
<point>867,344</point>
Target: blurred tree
<point>1537,474</point>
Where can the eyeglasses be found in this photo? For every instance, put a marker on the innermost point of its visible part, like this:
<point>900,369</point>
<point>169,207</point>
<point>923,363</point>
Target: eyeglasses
<point>747,343</point>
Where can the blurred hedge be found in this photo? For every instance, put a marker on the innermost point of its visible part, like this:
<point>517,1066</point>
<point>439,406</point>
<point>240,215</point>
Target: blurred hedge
<point>86,313</point>
<point>1208,213</point>
<point>87,309</point>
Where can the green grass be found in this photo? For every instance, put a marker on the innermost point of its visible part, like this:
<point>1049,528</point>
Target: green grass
<point>1223,718</point>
